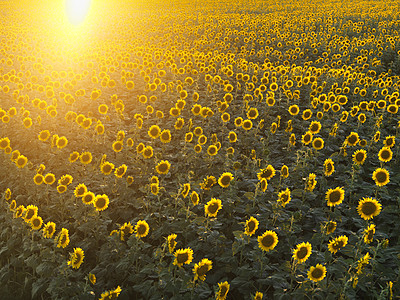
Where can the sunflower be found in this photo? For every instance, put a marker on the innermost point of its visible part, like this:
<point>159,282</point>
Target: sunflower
<point>19,211</point>
<point>334,196</point>
<point>238,121</point>
<point>369,234</point>
<point>266,173</point>
<point>202,139</point>
<point>318,143</point>
<point>294,110</point>
<point>381,176</point>
<point>107,168</point>
<point>311,182</point>
<point>389,141</point>
<point>65,179</point>
<point>307,138</point>
<point>13,205</point>
<point>284,197</point>
<point>126,230</point>
<point>212,150</point>
<point>117,146</point>
<point>186,189</point>
<point>208,183</point>
<point>80,190</point>
<point>251,226</point>
<point>302,252</point>
<point>44,135</point>
<point>49,229</point>
<point>247,124</point>
<point>352,139</point>
<point>154,131</point>
<point>258,296</point>
<point>30,212</point>
<point>86,157</point>
<point>268,240</point>
<point>362,262</point>
<point>88,198</point>
<point>163,167</point>
<point>317,273</point>
<point>76,258</point>
<point>336,244</point>
<point>292,139</point>
<point>101,202</point>
<point>165,136</point>
<point>368,208</point>
<point>62,238</point>
<point>154,188</point>
<point>171,241</point>
<point>73,156</point>
<point>36,222</point>
<point>92,278</point>
<point>225,179</point>
<point>329,167</point>
<point>252,113</point>
<point>183,256</point>
<point>200,269</point>
<point>285,171</point>
<point>212,207</point>
<point>359,156</point>
<point>21,161</point>
<point>120,171</point>
<point>263,184</point>
<point>330,227</point>
<point>61,188</point>
<point>385,154</point>
<point>194,197</point>
<point>148,152</point>
<point>62,142</point>
<point>140,148</point>
<point>179,123</point>
<point>142,228</point>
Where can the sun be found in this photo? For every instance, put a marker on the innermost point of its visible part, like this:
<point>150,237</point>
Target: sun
<point>77,10</point>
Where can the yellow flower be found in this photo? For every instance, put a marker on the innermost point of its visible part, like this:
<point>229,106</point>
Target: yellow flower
<point>318,143</point>
<point>36,222</point>
<point>212,207</point>
<point>369,234</point>
<point>208,183</point>
<point>330,227</point>
<point>311,182</point>
<point>359,156</point>
<point>223,289</point>
<point>80,190</point>
<point>336,244</point>
<point>266,173</point>
<point>307,138</point>
<point>142,228</point>
<point>21,161</point>
<point>268,240</point>
<point>194,197</point>
<point>317,273</point>
<point>117,146</point>
<point>368,208</point>
<point>225,179</point>
<point>101,202</point>
<point>381,176</point>
<point>120,171</point>
<point>258,296</point>
<point>165,136</point>
<point>251,226</point>
<point>212,150</point>
<point>200,269</point>
<point>92,278</point>
<point>86,158</point>
<point>107,168</point>
<point>73,156</point>
<point>154,131</point>
<point>284,197</point>
<point>329,167</point>
<point>352,139</point>
<point>62,238</point>
<point>76,258</point>
<point>30,212</point>
<point>385,154</point>
<point>314,127</point>
<point>49,229</point>
<point>148,152</point>
<point>334,196</point>
<point>294,109</point>
<point>163,167</point>
<point>44,135</point>
<point>183,256</point>
<point>302,252</point>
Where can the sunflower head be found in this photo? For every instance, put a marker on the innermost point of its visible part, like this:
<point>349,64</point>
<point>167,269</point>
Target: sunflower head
<point>142,228</point>
<point>334,196</point>
<point>212,207</point>
<point>302,252</point>
<point>183,256</point>
<point>251,226</point>
<point>200,269</point>
<point>381,176</point>
<point>368,208</point>
<point>317,273</point>
<point>268,240</point>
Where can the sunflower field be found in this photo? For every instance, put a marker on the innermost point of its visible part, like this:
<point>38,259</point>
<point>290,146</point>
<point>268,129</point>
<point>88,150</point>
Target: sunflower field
<point>200,149</point>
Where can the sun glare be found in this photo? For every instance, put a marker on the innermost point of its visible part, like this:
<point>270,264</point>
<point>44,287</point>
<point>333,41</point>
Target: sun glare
<point>77,10</point>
